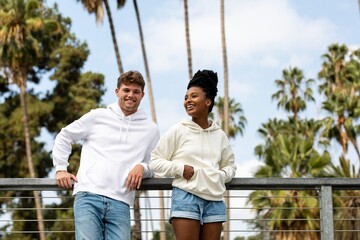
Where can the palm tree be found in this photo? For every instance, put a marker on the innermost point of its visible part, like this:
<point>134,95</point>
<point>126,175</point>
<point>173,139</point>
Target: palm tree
<point>290,88</point>
<point>346,202</point>
<point>96,6</point>
<point>341,81</point>
<point>187,31</point>
<point>236,123</point>
<point>235,126</point>
<point>237,120</point>
<point>147,71</point>
<point>226,78</point>
<point>226,103</point>
<point>153,114</point>
<point>26,36</point>
<point>288,151</point>
<point>341,87</point>
<point>299,207</point>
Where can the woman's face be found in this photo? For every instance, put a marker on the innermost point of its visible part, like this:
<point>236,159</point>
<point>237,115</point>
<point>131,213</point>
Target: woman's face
<point>196,103</point>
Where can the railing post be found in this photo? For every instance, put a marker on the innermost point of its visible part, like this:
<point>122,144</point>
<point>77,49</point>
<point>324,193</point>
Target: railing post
<point>326,213</point>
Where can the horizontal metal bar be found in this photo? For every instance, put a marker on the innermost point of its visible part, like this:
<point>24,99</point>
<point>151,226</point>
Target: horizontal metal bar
<point>43,184</point>
<point>292,183</point>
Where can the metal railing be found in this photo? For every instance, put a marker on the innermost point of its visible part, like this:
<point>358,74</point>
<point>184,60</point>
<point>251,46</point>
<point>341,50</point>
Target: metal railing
<point>242,216</point>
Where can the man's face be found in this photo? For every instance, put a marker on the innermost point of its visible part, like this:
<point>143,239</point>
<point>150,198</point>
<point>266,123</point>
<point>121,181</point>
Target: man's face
<point>129,97</point>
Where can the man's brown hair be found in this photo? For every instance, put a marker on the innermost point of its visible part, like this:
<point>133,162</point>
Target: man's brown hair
<point>130,77</point>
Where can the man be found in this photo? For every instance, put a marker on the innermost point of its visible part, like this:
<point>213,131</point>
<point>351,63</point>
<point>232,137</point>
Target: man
<point>117,142</point>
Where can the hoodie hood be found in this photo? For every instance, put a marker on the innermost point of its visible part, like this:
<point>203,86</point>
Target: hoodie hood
<point>125,120</point>
<point>196,128</point>
<point>115,108</point>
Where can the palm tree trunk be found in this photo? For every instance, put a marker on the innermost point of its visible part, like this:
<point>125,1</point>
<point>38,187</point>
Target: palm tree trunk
<point>113,35</point>
<point>343,135</point>
<point>226,107</point>
<point>187,30</point>
<point>226,78</point>
<point>39,214</point>
<point>354,143</point>
<point>147,71</point>
<point>153,112</point>
<point>162,216</point>
<point>137,217</point>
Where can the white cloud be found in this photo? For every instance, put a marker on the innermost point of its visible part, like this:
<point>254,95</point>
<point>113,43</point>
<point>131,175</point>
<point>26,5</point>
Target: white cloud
<point>272,26</point>
<point>269,61</point>
<point>259,33</point>
<point>300,60</point>
<point>240,90</point>
<point>354,47</point>
<point>174,113</point>
<point>166,41</point>
<point>247,168</point>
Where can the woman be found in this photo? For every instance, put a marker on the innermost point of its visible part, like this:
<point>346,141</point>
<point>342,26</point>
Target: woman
<point>198,155</point>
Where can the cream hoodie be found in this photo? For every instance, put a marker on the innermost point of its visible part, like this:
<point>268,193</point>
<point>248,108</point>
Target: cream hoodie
<point>112,144</point>
<point>207,150</point>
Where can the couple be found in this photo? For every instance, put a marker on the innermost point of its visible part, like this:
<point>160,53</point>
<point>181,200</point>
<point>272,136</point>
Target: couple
<point>121,146</point>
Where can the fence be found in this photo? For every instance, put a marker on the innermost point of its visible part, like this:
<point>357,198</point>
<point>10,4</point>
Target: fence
<point>330,194</point>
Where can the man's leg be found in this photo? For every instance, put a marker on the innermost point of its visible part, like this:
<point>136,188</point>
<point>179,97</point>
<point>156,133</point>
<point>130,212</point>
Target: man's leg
<point>117,220</point>
<point>88,212</point>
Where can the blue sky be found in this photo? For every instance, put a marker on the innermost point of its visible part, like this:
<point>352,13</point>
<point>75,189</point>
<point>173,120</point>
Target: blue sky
<point>263,37</point>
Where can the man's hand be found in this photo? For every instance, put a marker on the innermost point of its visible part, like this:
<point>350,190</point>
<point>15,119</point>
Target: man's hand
<point>134,178</point>
<point>63,179</point>
<point>188,172</point>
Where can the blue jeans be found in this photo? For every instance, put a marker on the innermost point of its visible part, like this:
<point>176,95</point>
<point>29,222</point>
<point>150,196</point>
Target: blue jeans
<point>100,218</point>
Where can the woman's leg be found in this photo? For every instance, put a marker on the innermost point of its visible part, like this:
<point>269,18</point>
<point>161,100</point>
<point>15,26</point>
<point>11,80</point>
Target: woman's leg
<point>186,229</point>
<point>211,231</point>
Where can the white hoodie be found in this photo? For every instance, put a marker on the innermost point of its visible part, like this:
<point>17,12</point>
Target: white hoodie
<point>207,150</point>
<point>112,145</point>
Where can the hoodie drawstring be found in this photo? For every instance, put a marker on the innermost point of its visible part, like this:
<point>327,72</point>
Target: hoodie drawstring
<point>202,145</point>
<point>127,128</point>
<point>203,141</point>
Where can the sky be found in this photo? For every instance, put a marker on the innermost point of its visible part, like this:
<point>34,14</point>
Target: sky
<point>263,38</point>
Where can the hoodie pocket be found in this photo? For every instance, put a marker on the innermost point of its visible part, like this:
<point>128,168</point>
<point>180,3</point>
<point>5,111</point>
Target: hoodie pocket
<point>209,181</point>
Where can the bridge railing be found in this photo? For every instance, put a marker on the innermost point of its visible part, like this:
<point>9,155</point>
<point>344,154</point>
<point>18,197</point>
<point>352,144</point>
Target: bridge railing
<point>242,216</point>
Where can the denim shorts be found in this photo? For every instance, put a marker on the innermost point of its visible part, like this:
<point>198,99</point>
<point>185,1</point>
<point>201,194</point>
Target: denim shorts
<point>187,205</point>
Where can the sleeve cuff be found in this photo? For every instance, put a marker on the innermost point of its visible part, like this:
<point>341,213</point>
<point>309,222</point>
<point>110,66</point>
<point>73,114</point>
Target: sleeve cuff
<point>179,168</point>
<point>224,175</point>
<point>147,172</point>
<point>61,168</point>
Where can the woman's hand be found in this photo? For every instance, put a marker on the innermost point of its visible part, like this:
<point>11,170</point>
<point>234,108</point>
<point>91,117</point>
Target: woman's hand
<point>188,172</point>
